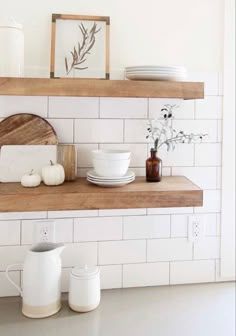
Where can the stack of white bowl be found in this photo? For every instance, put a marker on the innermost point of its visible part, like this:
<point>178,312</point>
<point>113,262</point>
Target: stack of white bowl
<point>110,168</point>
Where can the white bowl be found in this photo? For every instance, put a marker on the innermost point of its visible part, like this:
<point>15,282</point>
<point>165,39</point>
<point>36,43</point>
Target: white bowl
<point>111,154</point>
<point>108,168</point>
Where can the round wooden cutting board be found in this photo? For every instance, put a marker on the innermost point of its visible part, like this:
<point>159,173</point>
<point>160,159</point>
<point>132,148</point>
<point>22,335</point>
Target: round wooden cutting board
<point>26,129</point>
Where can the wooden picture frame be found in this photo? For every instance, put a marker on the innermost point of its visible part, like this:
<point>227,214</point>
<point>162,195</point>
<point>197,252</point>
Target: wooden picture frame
<point>80,46</point>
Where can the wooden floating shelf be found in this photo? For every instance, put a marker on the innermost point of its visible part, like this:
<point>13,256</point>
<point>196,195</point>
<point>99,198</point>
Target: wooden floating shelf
<point>173,191</point>
<point>100,88</point>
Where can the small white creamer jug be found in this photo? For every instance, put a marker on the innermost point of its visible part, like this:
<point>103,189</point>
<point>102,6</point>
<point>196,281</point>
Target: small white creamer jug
<point>41,290</point>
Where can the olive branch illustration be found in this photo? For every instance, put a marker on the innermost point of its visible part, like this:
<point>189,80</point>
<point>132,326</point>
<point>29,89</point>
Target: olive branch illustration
<point>80,54</point>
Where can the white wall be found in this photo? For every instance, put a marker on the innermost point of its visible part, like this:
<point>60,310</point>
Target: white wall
<point>151,31</point>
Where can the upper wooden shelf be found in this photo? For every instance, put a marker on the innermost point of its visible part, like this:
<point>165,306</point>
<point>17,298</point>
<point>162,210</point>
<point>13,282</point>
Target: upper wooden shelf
<point>173,191</point>
<point>100,88</point>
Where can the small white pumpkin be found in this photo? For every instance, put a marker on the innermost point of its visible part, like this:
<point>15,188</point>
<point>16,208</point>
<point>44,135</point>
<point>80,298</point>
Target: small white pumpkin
<point>31,180</point>
<point>53,175</point>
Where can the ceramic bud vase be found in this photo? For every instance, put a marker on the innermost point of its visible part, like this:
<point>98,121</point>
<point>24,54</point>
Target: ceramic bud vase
<point>153,167</point>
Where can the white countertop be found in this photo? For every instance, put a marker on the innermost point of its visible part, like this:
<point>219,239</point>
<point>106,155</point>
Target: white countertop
<point>187,310</point>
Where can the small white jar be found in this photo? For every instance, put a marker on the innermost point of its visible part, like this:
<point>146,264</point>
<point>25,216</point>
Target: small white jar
<point>84,290</point>
<point>11,48</point>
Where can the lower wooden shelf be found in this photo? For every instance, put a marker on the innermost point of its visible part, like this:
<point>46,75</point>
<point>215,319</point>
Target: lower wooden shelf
<point>173,191</point>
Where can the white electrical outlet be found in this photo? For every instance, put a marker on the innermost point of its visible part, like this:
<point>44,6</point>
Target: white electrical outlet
<point>44,231</point>
<point>196,228</point>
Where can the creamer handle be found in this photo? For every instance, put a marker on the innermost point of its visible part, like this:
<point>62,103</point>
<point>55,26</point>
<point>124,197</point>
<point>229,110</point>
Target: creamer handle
<point>10,279</point>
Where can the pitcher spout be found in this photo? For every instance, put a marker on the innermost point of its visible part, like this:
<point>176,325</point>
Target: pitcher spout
<point>47,247</point>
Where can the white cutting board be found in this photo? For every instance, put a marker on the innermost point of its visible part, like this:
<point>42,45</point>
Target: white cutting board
<point>16,161</point>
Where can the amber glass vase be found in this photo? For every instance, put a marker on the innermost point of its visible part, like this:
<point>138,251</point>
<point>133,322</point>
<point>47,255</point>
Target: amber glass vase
<point>153,167</point>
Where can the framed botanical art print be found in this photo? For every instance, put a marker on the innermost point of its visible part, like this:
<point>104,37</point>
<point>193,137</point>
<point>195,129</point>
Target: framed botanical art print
<point>80,46</point>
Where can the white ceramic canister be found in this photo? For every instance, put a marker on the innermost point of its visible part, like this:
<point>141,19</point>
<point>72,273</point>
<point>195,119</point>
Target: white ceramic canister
<point>11,48</point>
<point>84,290</point>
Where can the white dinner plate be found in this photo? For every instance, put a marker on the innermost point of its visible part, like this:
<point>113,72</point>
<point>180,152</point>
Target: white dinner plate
<point>152,76</point>
<point>92,174</point>
<point>110,184</point>
<point>157,67</point>
<point>157,70</point>
<point>107,180</point>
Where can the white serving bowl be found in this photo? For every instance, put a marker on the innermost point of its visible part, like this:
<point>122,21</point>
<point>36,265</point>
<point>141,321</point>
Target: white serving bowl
<point>111,154</point>
<point>108,168</point>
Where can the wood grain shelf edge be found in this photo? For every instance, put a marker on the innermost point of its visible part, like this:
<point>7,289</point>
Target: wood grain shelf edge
<point>100,88</point>
<point>173,191</point>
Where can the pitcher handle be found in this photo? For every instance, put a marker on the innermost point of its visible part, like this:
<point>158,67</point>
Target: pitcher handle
<point>10,279</point>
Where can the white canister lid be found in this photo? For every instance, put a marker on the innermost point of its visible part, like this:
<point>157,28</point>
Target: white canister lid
<point>9,22</point>
<point>84,271</point>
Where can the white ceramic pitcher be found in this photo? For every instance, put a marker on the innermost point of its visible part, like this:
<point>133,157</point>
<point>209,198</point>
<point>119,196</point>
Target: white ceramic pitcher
<point>41,292</point>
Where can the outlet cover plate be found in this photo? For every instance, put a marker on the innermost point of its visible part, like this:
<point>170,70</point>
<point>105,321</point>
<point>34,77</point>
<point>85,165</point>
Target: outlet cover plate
<point>196,228</point>
<point>44,231</point>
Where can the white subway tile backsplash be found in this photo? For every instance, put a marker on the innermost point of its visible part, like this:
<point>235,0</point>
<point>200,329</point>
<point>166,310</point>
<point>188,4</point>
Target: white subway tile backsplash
<point>79,254</point>
<point>139,171</point>
<point>138,152</point>
<point>23,215</point>
<point>208,154</point>
<point>100,228</point>
<point>73,107</point>
<point>182,156</point>
<point>12,255</point>
<point>121,123</point>
<point>64,129</point>
<point>185,108</point>
<point>204,177</point>
<point>169,249</point>
<point>63,231</point>
<point>84,155</point>
<point>179,226</point>
<point>98,130</point>
<point>211,202</point>
<point>169,211</point>
<point>122,252</point>
<point>111,276</point>
<point>149,274</point>
<point>123,107</point>
<point>9,233</point>
<point>183,272</point>
<point>82,172</point>
<point>209,108</point>
<point>72,213</point>
<point>138,227</point>
<point>122,212</point>
<point>166,171</point>
<point>6,288</point>
<point>22,104</point>
<point>210,224</point>
<point>208,248</point>
<point>136,131</point>
<point>207,127</point>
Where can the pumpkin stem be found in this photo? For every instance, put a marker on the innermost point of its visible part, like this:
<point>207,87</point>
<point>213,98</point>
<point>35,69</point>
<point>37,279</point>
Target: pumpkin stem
<point>31,173</point>
<point>52,164</point>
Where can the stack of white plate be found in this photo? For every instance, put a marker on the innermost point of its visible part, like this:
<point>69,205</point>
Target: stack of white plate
<point>156,72</point>
<point>114,181</point>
